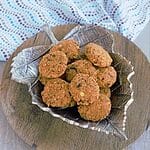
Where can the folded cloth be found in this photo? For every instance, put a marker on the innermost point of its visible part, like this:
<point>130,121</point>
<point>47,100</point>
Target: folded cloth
<point>21,19</point>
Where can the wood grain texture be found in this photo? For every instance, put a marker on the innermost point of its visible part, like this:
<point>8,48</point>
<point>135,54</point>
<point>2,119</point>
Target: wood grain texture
<point>43,131</point>
<point>8,138</point>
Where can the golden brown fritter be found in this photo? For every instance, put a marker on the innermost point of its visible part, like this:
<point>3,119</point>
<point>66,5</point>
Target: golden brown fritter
<point>105,91</point>
<point>69,47</point>
<point>84,89</point>
<point>43,80</point>
<point>53,64</point>
<point>106,77</point>
<point>90,76</point>
<point>80,66</point>
<point>56,93</point>
<point>97,55</point>
<point>96,111</point>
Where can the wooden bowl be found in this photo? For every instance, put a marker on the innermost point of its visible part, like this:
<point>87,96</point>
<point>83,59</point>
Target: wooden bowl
<point>38,127</point>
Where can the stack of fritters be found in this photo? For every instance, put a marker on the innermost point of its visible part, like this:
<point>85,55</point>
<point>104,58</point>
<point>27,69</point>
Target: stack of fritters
<point>84,81</point>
